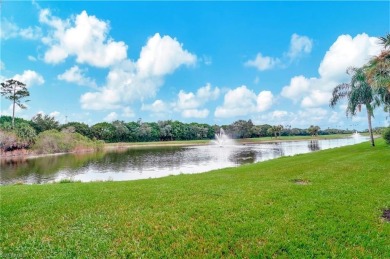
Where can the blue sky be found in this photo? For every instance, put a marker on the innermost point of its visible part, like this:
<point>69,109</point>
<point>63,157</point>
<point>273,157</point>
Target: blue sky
<point>212,62</point>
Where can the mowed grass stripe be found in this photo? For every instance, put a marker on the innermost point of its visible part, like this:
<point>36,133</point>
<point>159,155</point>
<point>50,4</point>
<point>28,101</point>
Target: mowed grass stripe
<point>257,210</point>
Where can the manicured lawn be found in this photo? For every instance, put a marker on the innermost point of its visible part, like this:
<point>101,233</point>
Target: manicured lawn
<point>323,204</point>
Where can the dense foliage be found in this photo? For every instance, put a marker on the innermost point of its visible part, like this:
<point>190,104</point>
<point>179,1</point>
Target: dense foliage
<point>168,130</point>
<point>54,141</point>
<point>386,135</point>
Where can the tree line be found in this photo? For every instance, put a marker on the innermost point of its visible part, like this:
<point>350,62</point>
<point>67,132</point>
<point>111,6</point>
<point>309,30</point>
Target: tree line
<point>167,130</point>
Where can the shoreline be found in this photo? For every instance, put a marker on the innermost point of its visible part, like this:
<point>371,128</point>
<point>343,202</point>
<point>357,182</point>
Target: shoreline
<point>26,154</point>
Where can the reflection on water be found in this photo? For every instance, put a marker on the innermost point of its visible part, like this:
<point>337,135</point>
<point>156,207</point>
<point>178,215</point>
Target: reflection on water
<point>314,145</point>
<point>141,163</point>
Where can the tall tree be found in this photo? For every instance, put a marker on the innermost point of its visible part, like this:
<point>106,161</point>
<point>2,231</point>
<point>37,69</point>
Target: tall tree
<point>378,73</point>
<point>15,91</point>
<point>44,122</point>
<point>358,92</point>
<point>313,130</point>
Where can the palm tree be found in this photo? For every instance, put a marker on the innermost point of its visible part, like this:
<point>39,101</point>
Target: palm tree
<point>358,92</point>
<point>385,41</point>
<point>378,70</point>
<point>378,73</point>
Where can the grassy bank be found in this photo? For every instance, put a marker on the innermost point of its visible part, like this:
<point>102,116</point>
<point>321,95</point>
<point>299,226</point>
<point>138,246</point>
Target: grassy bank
<point>323,204</point>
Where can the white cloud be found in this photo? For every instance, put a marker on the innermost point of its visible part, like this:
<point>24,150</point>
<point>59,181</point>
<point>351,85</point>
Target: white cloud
<point>302,118</point>
<point>242,101</point>
<point>54,114</point>
<point>264,101</point>
<point>187,100</point>
<point>111,117</point>
<point>189,103</point>
<point>128,81</point>
<point>8,112</point>
<point>106,99</point>
<point>263,62</point>
<point>195,113</point>
<point>299,45</point>
<point>157,106</point>
<point>161,56</point>
<point>82,36</point>
<point>127,112</point>
<point>344,52</point>
<point>191,100</point>
<point>206,94</point>
<point>76,75</point>
<point>30,78</point>
<point>9,30</point>
<point>31,58</point>
<point>298,86</point>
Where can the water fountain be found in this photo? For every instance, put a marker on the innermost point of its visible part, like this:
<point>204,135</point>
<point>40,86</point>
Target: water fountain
<point>356,135</point>
<point>221,139</point>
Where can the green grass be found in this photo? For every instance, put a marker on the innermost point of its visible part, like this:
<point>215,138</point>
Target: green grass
<point>253,211</point>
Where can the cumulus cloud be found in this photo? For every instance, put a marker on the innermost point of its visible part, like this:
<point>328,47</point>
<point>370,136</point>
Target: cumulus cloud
<point>106,99</point>
<point>191,100</point>
<point>189,104</point>
<point>157,106</point>
<point>30,78</point>
<point>302,118</point>
<point>263,62</point>
<point>161,56</point>
<point>195,113</point>
<point>264,101</point>
<point>9,30</point>
<point>127,112</point>
<point>344,52</point>
<point>243,101</point>
<point>128,81</point>
<point>54,114</point>
<point>83,36</point>
<point>111,117</point>
<point>299,45</point>
<point>76,75</point>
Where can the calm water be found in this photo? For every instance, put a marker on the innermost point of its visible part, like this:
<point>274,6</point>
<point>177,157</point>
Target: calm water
<point>142,163</point>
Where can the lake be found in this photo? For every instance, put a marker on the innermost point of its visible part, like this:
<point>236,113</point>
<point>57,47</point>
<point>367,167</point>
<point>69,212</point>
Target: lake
<point>143,163</point>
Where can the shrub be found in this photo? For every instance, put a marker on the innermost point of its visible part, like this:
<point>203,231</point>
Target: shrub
<point>21,138</point>
<point>53,141</point>
<point>386,135</point>
<point>8,141</point>
<point>25,133</point>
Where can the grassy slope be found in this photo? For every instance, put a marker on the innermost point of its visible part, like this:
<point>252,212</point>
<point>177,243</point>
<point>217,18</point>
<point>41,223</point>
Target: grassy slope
<point>250,211</point>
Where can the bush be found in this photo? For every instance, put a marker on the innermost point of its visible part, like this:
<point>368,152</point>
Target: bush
<point>21,138</point>
<point>53,141</point>
<point>25,133</point>
<point>386,135</point>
